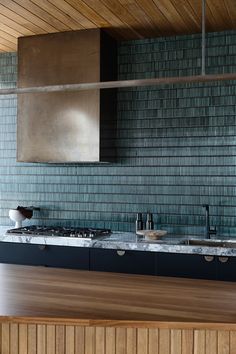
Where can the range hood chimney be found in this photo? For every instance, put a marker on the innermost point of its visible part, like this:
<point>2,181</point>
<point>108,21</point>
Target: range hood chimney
<point>63,127</point>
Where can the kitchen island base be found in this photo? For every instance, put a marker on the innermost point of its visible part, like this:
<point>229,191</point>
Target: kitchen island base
<point>63,311</point>
<point>29,338</point>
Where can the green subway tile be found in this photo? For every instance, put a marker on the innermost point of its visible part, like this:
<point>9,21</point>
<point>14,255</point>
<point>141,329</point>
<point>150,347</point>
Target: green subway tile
<point>176,147</point>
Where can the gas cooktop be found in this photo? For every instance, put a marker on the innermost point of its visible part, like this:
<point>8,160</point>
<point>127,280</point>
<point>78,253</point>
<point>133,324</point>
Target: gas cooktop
<point>80,232</point>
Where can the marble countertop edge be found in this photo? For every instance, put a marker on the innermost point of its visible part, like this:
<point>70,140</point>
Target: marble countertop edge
<point>121,241</point>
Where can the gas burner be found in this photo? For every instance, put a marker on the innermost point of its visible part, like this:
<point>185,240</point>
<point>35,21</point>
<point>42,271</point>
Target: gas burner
<point>78,232</point>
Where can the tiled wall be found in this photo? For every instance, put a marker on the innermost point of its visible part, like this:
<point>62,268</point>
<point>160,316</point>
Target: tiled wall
<point>176,147</point>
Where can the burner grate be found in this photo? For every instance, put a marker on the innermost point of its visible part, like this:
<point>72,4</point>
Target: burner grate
<point>79,232</point>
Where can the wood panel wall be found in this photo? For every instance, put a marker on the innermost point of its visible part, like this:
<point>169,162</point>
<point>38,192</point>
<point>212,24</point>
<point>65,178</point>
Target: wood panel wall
<point>69,339</point>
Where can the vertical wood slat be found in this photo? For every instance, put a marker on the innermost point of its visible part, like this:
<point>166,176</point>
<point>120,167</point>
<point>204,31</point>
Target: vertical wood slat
<point>5,348</point>
<point>79,340</point>
<point>99,340</point>
<point>232,342</point>
<point>164,341</point>
<point>142,341</point>
<point>58,339</point>
<point>199,342</point>
<point>89,340</point>
<point>50,339</point>
<point>70,339</point>
<point>175,341</point>
<point>41,339</point>
<point>131,341</point>
<point>110,340</point>
<point>120,341</point>
<point>32,339</point>
<point>187,341</point>
<point>153,336</point>
<point>211,342</point>
<point>223,342</point>
<point>14,338</point>
<point>23,338</point>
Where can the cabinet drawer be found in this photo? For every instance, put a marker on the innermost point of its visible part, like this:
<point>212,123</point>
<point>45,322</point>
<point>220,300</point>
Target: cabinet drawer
<point>226,268</point>
<point>66,257</point>
<point>186,265</point>
<point>21,253</point>
<point>52,256</point>
<point>134,262</point>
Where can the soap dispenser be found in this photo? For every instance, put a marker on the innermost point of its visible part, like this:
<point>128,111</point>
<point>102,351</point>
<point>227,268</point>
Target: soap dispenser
<point>149,222</point>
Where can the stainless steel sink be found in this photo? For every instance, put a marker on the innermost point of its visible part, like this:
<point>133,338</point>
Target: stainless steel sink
<point>211,243</point>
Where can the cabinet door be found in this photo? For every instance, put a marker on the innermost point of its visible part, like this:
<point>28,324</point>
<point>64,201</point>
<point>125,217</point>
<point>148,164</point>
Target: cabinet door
<point>21,253</point>
<point>134,262</point>
<point>52,256</point>
<point>186,265</point>
<point>66,257</point>
<point>226,267</point>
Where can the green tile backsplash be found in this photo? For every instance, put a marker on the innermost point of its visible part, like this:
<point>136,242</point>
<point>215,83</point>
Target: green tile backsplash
<point>176,147</point>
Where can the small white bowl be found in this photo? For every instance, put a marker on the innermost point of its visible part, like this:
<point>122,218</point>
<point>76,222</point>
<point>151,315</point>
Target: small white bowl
<point>16,216</point>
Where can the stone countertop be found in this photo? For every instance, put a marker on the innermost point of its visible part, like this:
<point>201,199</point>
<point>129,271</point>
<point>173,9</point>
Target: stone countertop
<point>122,241</point>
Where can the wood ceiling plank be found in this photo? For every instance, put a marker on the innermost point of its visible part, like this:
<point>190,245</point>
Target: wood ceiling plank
<point>162,24</point>
<point>124,15</point>
<point>8,36</point>
<point>22,16</point>
<point>220,14</point>
<point>197,8</point>
<point>83,8</point>
<point>4,48</point>
<point>144,20</point>
<point>8,44</point>
<point>10,30</point>
<point>185,10</point>
<point>52,22</point>
<point>64,18</point>
<point>95,17</point>
<point>14,25</point>
<point>171,14</point>
<point>231,9</point>
<point>73,13</point>
<point>125,31</point>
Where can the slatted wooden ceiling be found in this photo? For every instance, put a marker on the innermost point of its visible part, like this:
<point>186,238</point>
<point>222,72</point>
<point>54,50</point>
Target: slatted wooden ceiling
<point>124,19</point>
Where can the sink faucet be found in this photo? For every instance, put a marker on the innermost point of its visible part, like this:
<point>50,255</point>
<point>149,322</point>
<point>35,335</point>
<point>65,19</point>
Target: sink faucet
<point>208,229</point>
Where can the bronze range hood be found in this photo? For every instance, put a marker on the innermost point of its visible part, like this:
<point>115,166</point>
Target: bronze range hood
<point>66,127</point>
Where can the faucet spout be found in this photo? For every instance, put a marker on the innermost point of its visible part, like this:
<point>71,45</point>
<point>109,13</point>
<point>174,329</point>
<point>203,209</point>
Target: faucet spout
<point>208,230</point>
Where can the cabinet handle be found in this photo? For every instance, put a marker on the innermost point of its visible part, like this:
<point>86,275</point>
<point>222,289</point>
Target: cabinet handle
<point>120,253</point>
<point>223,259</point>
<point>42,247</point>
<point>209,258</point>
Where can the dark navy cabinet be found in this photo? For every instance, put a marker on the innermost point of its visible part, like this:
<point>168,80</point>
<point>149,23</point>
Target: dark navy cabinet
<point>196,266</point>
<point>20,253</point>
<point>226,267</point>
<point>52,256</point>
<point>66,257</point>
<point>186,265</point>
<point>133,262</point>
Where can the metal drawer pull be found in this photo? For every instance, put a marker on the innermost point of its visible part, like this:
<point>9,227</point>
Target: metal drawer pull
<point>120,253</point>
<point>209,258</point>
<point>42,247</point>
<point>223,259</point>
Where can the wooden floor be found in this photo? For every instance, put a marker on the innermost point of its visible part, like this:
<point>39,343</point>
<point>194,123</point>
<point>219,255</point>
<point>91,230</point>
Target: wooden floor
<point>60,339</point>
